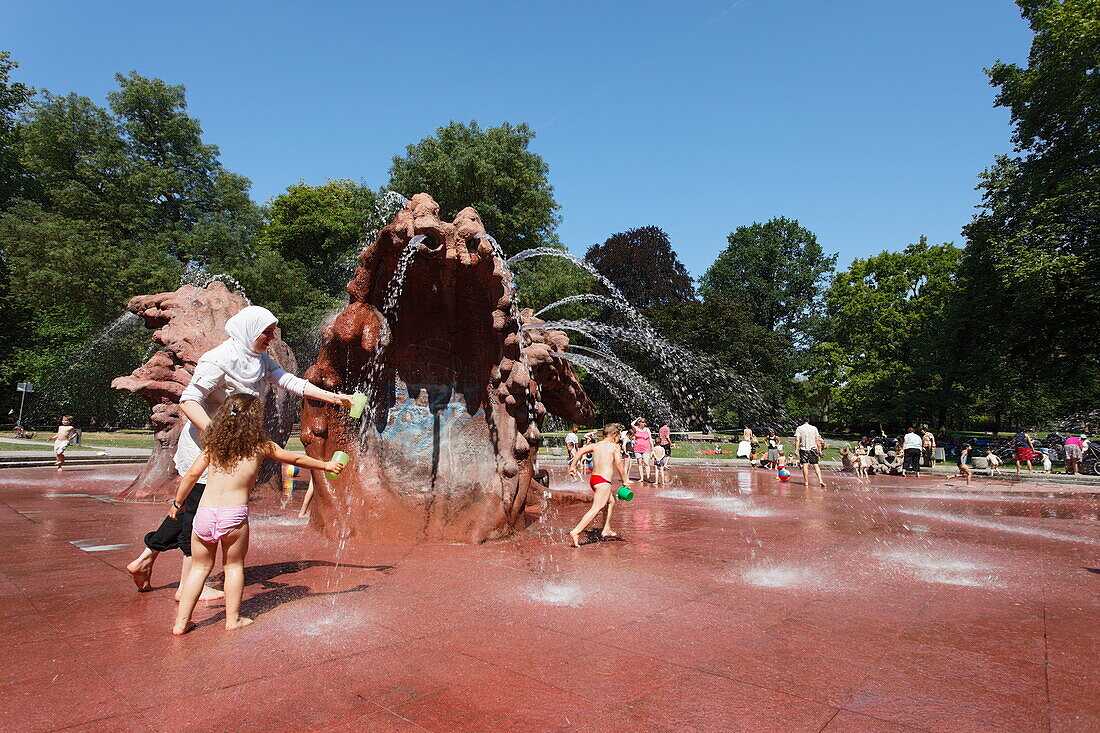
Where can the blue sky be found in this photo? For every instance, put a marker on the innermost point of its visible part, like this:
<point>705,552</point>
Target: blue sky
<point>866,120</point>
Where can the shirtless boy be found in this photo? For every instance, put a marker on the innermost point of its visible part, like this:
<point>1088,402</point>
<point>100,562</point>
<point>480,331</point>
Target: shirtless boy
<point>606,460</point>
<point>61,440</point>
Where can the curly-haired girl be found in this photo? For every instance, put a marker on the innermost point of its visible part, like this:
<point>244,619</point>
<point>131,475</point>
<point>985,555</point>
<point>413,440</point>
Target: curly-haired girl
<point>235,444</point>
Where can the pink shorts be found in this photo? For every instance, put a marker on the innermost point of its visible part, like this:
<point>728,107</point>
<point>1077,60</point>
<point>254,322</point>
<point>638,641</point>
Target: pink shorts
<point>213,523</point>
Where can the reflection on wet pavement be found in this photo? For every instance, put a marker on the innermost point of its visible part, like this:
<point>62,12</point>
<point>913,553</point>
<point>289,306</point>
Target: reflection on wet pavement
<point>736,602</point>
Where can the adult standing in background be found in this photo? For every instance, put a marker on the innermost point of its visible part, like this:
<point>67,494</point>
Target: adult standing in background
<point>643,448</point>
<point>809,445</point>
<point>664,439</point>
<point>911,444</point>
<point>928,446</point>
<point>239,365</point>
<point>1075,452</point>
<point>1024,449</point>
<point>572,442</point>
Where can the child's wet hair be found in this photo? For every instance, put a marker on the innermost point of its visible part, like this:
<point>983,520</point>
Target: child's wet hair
<point>236,432</point>
<point>612,428</point>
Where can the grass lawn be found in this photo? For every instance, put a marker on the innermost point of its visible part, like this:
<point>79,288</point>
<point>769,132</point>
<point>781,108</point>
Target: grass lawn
<point>39,446</point>
<point>119,438</point>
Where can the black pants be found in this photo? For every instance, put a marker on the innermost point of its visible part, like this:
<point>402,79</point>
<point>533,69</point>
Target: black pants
<point>912,460</point>
<point>175,534</point>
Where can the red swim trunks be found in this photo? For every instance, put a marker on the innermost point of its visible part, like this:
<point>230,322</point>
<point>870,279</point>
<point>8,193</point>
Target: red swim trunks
<point>595,480</point>
<point>1025,454</point>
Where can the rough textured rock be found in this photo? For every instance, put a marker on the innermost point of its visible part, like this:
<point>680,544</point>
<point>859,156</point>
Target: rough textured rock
<point>189,322</point>
<point>447,447</point>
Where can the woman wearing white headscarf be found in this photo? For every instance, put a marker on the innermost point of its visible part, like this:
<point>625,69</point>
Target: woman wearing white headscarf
<point>239,365</point>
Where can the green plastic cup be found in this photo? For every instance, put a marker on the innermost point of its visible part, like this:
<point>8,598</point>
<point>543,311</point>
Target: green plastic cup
<point>624,493</point>
<point>340,457</point>
<point>358,403</point>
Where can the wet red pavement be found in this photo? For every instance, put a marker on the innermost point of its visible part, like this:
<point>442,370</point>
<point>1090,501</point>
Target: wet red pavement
<point>737,603</point>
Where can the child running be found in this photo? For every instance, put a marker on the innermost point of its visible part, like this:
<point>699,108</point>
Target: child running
<point>964,458</point>
<point>235,445</point>
<point>606,460</point>
<point>61,440</point>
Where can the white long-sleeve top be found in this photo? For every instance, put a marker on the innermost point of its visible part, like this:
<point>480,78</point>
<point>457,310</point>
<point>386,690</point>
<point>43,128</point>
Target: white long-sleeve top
<point>210,386</point>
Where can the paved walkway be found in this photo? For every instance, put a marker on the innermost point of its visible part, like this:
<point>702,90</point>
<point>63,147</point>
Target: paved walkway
<point>736,603</point>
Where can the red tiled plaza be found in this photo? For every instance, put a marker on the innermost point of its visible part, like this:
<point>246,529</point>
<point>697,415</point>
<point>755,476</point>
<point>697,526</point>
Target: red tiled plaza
<point>736,603</point>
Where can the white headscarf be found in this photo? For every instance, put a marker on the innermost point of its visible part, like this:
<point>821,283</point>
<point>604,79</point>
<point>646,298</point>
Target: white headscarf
<point>243,366</point>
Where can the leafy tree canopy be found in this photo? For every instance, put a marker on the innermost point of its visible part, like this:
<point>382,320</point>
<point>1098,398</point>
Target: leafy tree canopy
<point>14,99</point>
<point>889,348</point>
<point>493,171</point>
<point>776,270</point>
<point>643,265</point>
<point>1033,248</point>
<point>322,228</point>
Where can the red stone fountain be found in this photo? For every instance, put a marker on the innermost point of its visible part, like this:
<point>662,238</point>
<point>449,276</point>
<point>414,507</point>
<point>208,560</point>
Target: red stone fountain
<point>447,447</point>
<point>188,323</point>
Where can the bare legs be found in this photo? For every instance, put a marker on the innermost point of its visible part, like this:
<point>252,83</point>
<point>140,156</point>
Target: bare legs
<point>806,474</point>
<point>234,548</point>
<point>644,465</point>
<point>141,569</point>
<point>202,562</point>
<point>308,498</point>
<point>602,499</point>
<point>208,593</point>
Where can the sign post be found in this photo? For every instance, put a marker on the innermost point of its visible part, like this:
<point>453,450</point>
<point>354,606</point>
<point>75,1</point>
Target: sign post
<point>23,387</point>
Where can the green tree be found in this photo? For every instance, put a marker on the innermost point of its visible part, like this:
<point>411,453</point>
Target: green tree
<point>645,268</point>
<point>890,347</point>
<point>491,170</point>
<point>76,156</point>
<point>117,202</point>
<point>14,99</point>
<point>321,227</point>
<point>1032,250</point>
<point>776,270</point>
<point>724,335</point>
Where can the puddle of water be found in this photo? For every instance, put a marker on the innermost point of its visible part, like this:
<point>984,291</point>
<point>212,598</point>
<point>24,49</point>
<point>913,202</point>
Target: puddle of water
<point>557,594</point>
<point>738,506</point>
<point>939,568</point>
<point>776,576</point>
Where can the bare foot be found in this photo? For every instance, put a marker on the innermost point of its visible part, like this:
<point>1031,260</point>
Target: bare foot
<point>208,594</point>
<point>140,572</point>
<point>211,594</point>
<point>576,538</point>
<point>178,630</point>
<point>240,623</point>
<point>609,533</point>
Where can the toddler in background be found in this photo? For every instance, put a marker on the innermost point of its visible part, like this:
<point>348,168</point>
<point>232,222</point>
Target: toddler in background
<point>862,461</point>
<point>994,462</point>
